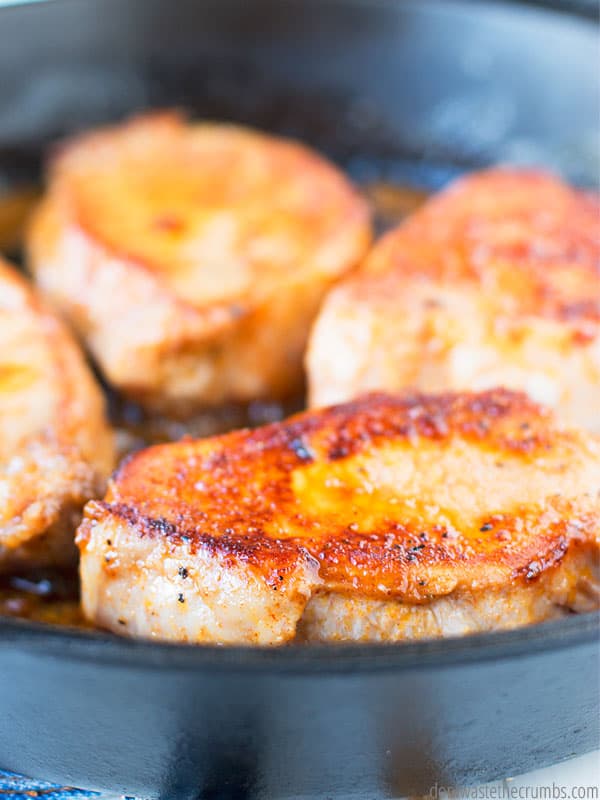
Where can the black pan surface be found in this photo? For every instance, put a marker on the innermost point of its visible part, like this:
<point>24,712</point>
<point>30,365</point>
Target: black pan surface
<point>403,92</point>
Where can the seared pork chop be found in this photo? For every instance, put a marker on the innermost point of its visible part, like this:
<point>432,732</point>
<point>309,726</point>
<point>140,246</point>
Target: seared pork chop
<point>192,259</point>
<point>495,282</point>
<point>387,518</point>
<point>56,449</point>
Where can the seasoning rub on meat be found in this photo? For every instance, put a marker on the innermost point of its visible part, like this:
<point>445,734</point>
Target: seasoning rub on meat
<point>56,449</point>
<point>494,282</point>
<point>192,258</point>
<point>387,518</point>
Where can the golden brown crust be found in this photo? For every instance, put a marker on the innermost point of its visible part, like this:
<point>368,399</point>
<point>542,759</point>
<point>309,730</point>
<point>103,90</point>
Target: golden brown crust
<point>408,498</point>
<point>494,282</point>
<point>524,234</point>
<point>193,258</point>
<point>56,449</point>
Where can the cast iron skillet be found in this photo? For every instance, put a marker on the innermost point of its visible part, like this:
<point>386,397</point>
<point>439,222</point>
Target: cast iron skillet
<point>409,91</point>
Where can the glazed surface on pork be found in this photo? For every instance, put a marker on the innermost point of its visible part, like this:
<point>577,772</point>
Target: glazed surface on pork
<point>493,282</point>
<point>56,449</point>
<point>387,518</point>
<point>192,258</point>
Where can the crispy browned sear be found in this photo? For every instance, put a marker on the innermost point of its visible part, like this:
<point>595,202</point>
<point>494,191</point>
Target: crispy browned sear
<point>386,518</point>
<point>494,282</point>
<point>192,258</point>
<point>56,449</point>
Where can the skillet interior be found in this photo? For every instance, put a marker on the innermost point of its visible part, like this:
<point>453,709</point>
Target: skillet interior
<point>392,124</point>
<point>383,112</point>
<point>406,92</point>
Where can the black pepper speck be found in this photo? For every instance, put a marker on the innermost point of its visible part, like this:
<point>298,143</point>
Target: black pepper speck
<point>301,450</point>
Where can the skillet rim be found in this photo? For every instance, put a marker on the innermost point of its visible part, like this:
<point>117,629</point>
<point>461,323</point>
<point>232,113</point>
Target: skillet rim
<point>99,647</point>
<point>586,9</point>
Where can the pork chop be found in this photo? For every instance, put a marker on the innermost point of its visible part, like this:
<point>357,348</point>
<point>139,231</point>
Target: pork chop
<point>56,449</point>
<point>192,258</point>
<point>495,282</point>
<point>388,518</point>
